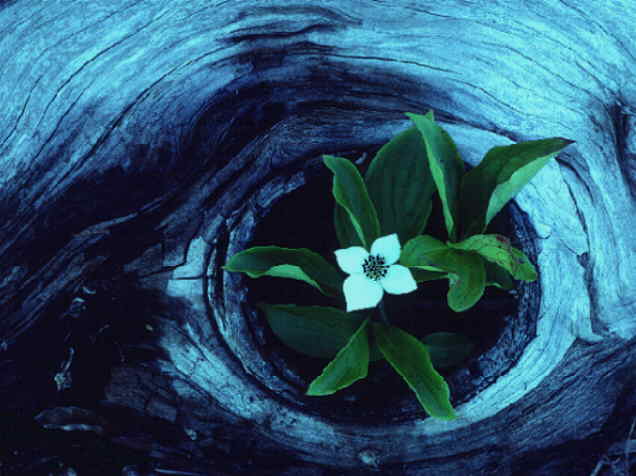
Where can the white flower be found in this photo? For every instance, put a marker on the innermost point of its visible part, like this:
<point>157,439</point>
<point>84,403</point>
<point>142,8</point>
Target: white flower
<point>373,273</point>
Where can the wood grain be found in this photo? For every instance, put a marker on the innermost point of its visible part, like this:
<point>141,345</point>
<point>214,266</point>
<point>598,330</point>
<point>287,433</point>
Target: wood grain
<point>142,143</point>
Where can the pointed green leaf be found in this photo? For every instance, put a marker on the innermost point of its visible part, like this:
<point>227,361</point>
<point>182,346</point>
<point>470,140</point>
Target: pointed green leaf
<point>316,331</point>
<point>410,358</point>
<point>345,231</point>
<point>446,167</point>
<point>465,270</point>
<point>422,252</point>
<point>351,193</point>
<point>447,349</point>
<point>498,250</point>
<point>525,269</point>
<point>497,276</point>
<point>293,263</point>
<point>422,275</point>
<point>350,364</point>
<point>499,177</point>
<point>467,279</point>
<point>494,248</point>
<point>401,186</point>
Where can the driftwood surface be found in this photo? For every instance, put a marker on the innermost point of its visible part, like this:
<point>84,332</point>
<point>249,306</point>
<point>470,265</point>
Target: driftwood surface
<point>142,143</point>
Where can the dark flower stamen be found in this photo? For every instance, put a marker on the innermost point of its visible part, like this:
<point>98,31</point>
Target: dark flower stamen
<point>374,267</point>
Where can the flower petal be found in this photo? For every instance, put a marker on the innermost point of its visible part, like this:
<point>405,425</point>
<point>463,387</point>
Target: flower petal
<point>361,292</point>
<point>387,246</point>
<point>398,280</point>
<point>350,259</point>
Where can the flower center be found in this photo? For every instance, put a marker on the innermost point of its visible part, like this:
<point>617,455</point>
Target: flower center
<point>374,267</point>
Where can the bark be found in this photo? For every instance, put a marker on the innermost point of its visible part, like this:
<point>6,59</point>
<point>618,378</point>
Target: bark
<point>142,144</point>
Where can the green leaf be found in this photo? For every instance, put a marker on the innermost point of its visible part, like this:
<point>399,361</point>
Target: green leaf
<point>447,349</point>
<point>525,269</point>
<point>422,252</point>
<point>410,358</point>
<point>494,248</point>
<point>465,270</point>
<point>314,330</point>
<point>350,364</point>
<point>446,167</point>
<point>400,185</point>
<point>499,177</point>
<point>345,231</point>
<point>294,263</point>
<point>497,249</point>
<point>422,275</point>
<point>467,279</point>
<point>351,193</point>
<point>497,276</point>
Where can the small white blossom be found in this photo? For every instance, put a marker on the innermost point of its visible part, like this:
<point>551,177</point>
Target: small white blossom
<point>373,273</point>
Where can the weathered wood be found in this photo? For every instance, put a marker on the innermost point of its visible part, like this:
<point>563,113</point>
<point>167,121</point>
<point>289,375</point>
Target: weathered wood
<point>143,143</point>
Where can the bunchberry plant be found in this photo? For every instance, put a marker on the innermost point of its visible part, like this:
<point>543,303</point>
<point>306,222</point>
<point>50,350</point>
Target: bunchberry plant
<point>380,220</point>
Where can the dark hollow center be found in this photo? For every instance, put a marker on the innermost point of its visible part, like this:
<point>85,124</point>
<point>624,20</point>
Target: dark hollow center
<point>304,219</point>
